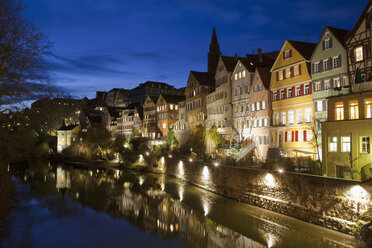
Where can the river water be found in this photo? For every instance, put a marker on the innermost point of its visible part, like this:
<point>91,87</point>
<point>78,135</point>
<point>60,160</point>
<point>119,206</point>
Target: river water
<point>61,206</point>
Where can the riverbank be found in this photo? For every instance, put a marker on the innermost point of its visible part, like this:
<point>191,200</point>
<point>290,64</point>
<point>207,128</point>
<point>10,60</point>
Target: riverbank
<point>7,193</point>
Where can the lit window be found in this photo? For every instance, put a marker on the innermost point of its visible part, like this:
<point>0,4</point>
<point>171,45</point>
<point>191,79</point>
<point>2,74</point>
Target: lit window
<point>297,70</point>
<point>307,89</point>
<point>327,43</point>
<point>309,135</point>
<point>287,54</point>
<point>319,106</point>
<point>253,107</point>
<point>284,119</point>
<point>339,111</point>
<point>336,83</point>
<point>280,75</point>
<point>243,74</point>
<point>325,65</point>
<point>63,139</point>
<point>364,144</point>
<point>266,122</point>
<point>358,52</point>
<point>236,76</point>
<point>171,106</point>
<point>289,93</point>
<point>240,75</point>
<point>345,144</point>
<point>368,107</point>
<point>354,109</point>
<point>263,104</point>
<point>164,125</point>
<point>176,107</point>
<point>258,107</point>
<point>300,136</point>
<point>276,118</point>
<point>326,85</point>
<point>336,62</point>
<point>299,116</point>
<point>290,117</point>
<point>308,115</point>
<point>289,136</point>
<point>298,90</point>
<point>333,144</point>
<point>316,67</point>
<point>288,73</point>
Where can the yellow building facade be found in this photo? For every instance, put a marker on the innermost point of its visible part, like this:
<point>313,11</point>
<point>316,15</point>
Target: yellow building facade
<point>292,129</point>
<point>66,135</point>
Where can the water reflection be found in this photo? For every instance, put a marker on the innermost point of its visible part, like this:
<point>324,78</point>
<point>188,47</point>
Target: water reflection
<point>172,209</point>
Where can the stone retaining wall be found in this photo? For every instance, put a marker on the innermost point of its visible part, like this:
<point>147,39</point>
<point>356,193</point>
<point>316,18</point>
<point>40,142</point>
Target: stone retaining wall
<point>338,204</point>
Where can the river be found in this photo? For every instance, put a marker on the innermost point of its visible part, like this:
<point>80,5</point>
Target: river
<point>61,206</point>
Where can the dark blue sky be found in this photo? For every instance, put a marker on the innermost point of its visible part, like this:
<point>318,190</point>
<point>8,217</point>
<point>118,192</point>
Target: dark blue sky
<point>103,44</point>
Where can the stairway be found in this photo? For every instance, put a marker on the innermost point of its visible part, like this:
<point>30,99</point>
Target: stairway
<point>241,154</point>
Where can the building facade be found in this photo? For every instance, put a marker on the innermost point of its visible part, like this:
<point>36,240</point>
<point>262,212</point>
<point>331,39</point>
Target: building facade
<point>292,101</point>
<point>150,127</point>
<point>346,137</point>
<point>66,135</point>
<point>329,75</point>
<point>199,85</point>
<point>181,127</point>
<point>167,112</point>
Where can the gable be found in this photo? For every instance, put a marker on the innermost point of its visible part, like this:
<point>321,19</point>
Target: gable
<point>335,46</point>
<point>282,62</point>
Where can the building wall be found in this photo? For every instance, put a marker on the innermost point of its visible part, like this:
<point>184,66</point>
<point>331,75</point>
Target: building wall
<point>181,127</point>
<point>150,124</point>
<point>294,147</point>
<point>66,137</point>
<point>167,115</point>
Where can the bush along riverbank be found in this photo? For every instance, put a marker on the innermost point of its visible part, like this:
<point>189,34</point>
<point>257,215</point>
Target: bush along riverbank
<point>7,192</point>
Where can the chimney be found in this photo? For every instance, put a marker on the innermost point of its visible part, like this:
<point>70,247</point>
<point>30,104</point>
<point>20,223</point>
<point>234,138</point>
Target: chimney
<point>259,54</point>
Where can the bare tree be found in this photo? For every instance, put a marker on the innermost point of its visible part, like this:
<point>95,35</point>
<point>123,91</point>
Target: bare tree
<point>23,48</point>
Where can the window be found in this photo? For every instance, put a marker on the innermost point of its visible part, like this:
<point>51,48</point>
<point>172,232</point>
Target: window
<point>308,115</point>
<point>316,67</point>
<point>289,136</point>
<point>171,107</point>
<point>276,115</point>
<point>326,85</point>
<point>164,125</point>
<point>299,116</point>
<point>288,73</point>
<point>236,76</point>
<point>319,106</point>
<point>336,83</point>
<point>339,111</point>
<point>307,89</point>
<point>255,123</point>
<point>300,136</point>
<point>364,144</point>
<point>263,104</point>
<point>275,96</point>
<point>243,73</point>
<point>282,94</point>
<point>358,53</point>
<point>280,75</point>
<point>258,107</point>
<point>260,122</point>
<point>241,108</point>
<point>325,65</point>
<point>290,117</point>
<point>336,62</point>
<point>368,108</point>
<point>345,144</point>
<point>236,92</point>
<point>253,107</point>
<point>327,43</point>
<point>297,70</point>
<point>309,135</point>
<point>241,90</point>
<point>240,75</point>
<point>265,123</point>
<point>298,90</point>
<point>354,109</point>
<point>246,88</point>
<point>284,119</point>
<point>289,93</point>
<point>333,144</point>
<point>287,54</point>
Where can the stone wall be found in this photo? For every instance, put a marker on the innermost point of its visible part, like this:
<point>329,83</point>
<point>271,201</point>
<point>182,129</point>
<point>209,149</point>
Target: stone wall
<point>338,204</point>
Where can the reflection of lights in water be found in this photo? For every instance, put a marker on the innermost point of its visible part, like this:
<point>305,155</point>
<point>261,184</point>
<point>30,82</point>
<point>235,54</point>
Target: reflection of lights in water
<point>216,164</point>
<point>205,175</point>
<point>77,194</point>
<point>44,178</point>
<point>117,157</point>
<point>162,160</point>
<point>97,171</point>
<point>170,156</point>
<point>280,170</point>
<point>140,158</point>
<point>206,208</point>
<point>162,187</point>
<point>181,172</point>
<point>270,240</point>
<point>180,192</point>
<point>269,180</point>
<point>360,197</point>
<point>141,180</point>
<point>8,167</point>
<point>117,173</point>
<point>91,173</point>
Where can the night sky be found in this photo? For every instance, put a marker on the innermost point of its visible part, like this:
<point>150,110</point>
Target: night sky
<point>105,44</point>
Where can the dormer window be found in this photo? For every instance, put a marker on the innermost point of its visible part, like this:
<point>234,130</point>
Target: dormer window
<point>287,54</point>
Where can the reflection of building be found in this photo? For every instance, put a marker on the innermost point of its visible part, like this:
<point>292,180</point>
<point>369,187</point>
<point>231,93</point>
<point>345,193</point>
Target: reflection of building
<point>63,179</point>
<point>66,135</point>
<point>292,101</point>
<point>167,221</point>
<point>347,135</point>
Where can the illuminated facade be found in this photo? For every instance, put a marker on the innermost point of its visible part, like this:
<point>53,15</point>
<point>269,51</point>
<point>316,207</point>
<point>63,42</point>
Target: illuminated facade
<point>150,127</point>
<point>292,101</point>
<point>167,112</point>
<point>347,135</point>
<point>66,135</point>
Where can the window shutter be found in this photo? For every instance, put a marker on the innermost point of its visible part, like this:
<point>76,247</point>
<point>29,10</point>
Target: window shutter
<point>330,64</point>
<point>323,44</point>
<point>290,52</point>
<point>292,71</point>
<point>365,53</point>
<point>296,136</point>
<point>284,76</point>
<point>322,85</point>
<point>310,88</point>
<point>292,136</point>
<point>331,83</point>
<point>285,93</point>
<point>299,69</point>
<point>312,68</point>
<point>304,135</point>
<point>321,66</point>
<point>277,76</point>
<point>341,81</point>
<point>316,106</point>
<point>285,136</point>
<point>339,61</point>
<point>293,92</point>
<point>301,90</point>
<point>324,105</point>
<point>330,42</point>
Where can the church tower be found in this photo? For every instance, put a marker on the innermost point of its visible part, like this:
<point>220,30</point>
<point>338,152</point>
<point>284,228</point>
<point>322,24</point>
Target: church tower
<point>214,53</point>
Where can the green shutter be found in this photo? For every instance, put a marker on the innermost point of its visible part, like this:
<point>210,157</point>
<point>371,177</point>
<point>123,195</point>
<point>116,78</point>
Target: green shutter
<point>341,83</point>
<point>330,42</point>
<point>331,83</point>
<point>324,105</point>
<point>330,64</point>
<point>339,60</point>
<point>320,65</point>
<point>322,85</point>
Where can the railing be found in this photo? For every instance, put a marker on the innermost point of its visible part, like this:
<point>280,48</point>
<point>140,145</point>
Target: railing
<point>245,151</point>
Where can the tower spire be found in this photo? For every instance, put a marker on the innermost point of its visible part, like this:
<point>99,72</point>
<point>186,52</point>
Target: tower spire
<point>214,52</point>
